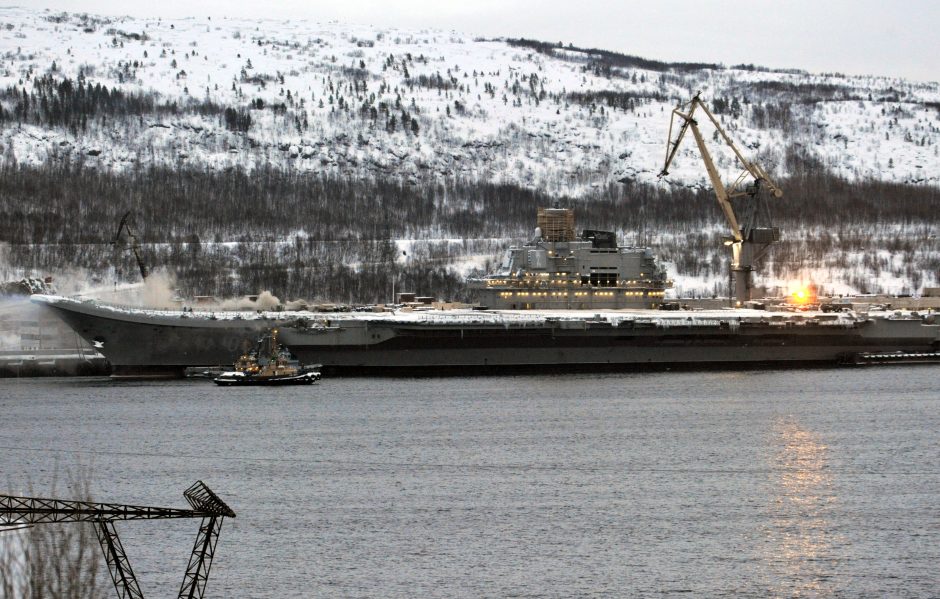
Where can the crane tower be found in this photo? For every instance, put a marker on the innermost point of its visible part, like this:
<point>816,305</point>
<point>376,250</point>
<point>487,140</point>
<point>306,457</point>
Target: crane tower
<point>743,202</point>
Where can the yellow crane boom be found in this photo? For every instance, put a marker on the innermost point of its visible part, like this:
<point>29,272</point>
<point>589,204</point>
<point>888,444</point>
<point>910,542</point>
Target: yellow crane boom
<point>747,241</point>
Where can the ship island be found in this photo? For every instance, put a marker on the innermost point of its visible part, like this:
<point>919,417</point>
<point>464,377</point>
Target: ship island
<point>560,302</point>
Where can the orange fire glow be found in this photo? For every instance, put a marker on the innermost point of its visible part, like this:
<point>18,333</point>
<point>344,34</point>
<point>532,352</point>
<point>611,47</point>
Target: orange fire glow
<point>803,295</point>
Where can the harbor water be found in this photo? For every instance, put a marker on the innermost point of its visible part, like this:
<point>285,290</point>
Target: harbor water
<point>822,482</point>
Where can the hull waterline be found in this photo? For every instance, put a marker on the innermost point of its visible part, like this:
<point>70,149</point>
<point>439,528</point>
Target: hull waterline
<point>145,342</point>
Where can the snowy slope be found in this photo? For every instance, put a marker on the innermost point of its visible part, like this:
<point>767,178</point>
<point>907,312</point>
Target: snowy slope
<point>485,110</point>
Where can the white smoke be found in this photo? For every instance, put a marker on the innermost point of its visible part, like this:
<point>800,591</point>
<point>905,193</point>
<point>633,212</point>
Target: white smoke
<point>159,291</point>
<point>265,301</point>
<point>9,341</point>
<point>75,281</point>
<point>5,271</point>
<point>295,305</point>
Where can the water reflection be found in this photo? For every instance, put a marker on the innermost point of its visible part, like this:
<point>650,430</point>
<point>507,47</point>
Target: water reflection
<point>801,539</point>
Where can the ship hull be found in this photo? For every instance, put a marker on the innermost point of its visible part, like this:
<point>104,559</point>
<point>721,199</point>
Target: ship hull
<point>147,342</point>
<point>461,349</point>
<point>160,345</point>
<point>267,381</point>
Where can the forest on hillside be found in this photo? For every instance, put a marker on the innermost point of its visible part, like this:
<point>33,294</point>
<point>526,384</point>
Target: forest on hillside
<point>344,164</point>
<point>301,235</point>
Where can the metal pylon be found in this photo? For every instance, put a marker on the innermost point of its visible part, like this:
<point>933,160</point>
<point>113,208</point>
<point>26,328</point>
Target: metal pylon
<point>122,575</point>
<point>197,572</point>
<point>17,512</point>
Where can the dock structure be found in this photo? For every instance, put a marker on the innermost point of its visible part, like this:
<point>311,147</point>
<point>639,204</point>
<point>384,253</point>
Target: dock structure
<point>19,512</point>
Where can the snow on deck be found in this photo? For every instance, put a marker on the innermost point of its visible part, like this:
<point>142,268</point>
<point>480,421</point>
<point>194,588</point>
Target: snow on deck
<point>464,316</point>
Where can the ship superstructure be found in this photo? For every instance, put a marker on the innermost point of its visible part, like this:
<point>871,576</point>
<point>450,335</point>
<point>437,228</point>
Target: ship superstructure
<point>558,270</point>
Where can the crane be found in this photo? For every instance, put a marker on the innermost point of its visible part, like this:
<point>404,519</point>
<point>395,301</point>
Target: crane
<point>750,237</point>
<point>20,512</point>
<point>135,245</point>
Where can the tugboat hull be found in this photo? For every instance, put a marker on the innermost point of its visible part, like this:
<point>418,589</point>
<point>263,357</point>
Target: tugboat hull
<point>307,378</point>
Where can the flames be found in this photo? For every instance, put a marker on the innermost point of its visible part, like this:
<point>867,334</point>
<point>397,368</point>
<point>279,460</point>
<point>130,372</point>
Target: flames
<point>803,294</point>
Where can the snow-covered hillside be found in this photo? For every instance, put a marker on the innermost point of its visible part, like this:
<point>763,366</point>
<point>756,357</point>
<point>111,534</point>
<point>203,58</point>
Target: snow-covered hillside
<point>355,100</point>
<point>324,139</point>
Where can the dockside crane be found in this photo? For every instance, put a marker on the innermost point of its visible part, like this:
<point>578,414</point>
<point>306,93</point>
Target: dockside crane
<point>125,227</point>
<point>751,236</point>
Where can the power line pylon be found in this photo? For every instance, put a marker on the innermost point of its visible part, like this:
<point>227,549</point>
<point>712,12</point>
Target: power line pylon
<point>17,512</point>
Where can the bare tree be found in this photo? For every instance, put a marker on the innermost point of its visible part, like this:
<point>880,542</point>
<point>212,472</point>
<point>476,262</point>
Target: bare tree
<point>53,561</point>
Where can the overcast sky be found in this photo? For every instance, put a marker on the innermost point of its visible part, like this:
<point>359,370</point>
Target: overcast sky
<point>849,36</point>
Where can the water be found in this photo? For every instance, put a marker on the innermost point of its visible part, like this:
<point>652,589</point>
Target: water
<point>815,482</point>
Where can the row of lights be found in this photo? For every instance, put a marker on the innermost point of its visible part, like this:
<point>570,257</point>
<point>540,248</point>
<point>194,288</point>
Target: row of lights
<point>580,293</point>
<point>498,282</point>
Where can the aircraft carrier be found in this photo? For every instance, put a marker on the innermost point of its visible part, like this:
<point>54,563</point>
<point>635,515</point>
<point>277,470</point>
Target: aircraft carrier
<point>559,302</point>
<point>163,343</point>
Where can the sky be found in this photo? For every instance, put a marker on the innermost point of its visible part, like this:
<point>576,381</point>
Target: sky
<point>855,37</point>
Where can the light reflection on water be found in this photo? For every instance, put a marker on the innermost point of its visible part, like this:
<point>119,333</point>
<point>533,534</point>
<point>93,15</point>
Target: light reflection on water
<point>754,484</point>
<point>802,541</point>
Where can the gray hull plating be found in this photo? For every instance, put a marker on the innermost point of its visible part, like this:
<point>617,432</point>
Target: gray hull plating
<point>600,345</point>
<point>160,345</point>
<point>149,342</point>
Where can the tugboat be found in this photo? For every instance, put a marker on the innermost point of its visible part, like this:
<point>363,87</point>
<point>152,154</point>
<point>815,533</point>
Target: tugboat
<point>268,363</point>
